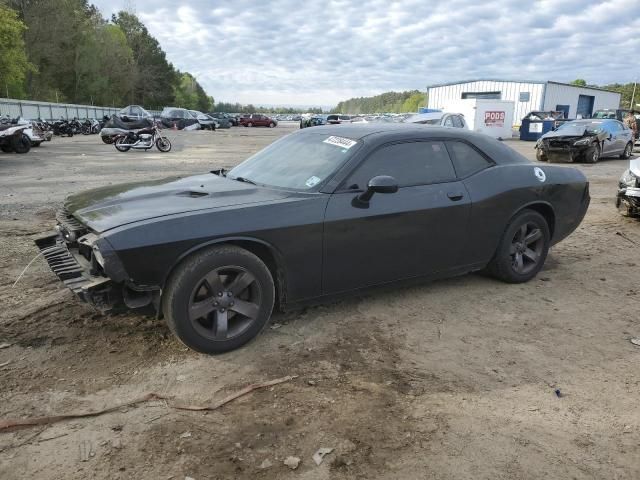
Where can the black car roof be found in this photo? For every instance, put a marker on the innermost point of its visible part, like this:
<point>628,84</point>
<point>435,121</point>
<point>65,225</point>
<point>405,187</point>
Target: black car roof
<point>379,133</point>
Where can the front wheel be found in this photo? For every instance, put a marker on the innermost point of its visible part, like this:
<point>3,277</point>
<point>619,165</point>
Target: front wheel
<point>628,150</point>
<point>271,125</point>
<point>163,144</point>
<point>22,144</point>
<point>249,124</point>
<point>219,299</point>
<point>540,156</point>
<point>593,154</point>
<point>119,144</point>
<point>522,249</point>
<point>6,148</point>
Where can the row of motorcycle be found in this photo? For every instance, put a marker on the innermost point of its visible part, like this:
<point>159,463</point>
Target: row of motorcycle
<point>19,135</point>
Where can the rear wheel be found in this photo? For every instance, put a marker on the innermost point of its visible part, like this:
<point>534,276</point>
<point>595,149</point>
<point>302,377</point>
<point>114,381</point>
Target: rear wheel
<point>219,299</point>
<point>271,125</point>
<point>522,249</point>
<point>628,150</point>
<point>593,154</point>
<point>107,139</point>
<point>163,144</point>
<point>118,144</point>
<point>249,124</point>
<point>22,144</point>
<point>6,148</point>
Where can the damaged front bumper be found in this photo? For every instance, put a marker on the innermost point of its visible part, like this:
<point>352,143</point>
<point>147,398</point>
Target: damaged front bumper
<point>90,268</point>
<point>628,201</point>
<point>563,152</point>
<point>78,273</point>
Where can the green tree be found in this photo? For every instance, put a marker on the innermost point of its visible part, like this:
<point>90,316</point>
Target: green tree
<point>13,57</point>
<point>189,94</point>
<point>154,78</point>
<point>579,82</point>
<point>388,102</point>
<point>414,102</point>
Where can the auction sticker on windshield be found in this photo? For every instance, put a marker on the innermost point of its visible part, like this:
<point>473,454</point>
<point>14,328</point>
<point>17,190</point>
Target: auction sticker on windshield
<point>340,142</point>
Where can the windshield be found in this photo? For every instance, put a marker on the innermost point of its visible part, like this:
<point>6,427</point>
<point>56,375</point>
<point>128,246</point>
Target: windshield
<point>298,162</point>
<point>578,128</point>
<point>604,114</point>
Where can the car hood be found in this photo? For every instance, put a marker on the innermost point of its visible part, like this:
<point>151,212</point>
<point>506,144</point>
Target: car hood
<point>574,133</point>
<point>104,208</point>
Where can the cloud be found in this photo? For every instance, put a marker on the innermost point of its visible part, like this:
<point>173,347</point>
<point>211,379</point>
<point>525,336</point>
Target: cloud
<point>291,52</point>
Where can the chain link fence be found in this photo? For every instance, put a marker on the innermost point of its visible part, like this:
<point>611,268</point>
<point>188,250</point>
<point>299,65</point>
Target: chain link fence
<point>31,110</point>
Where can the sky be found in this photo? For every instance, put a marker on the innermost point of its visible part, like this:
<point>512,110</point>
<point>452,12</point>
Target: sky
<point>291,52</point>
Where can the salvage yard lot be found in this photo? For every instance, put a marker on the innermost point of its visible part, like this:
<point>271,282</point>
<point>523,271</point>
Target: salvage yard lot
<point>448,380</point>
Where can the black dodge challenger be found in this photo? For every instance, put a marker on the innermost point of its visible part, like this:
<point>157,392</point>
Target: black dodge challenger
<point>319,213</point>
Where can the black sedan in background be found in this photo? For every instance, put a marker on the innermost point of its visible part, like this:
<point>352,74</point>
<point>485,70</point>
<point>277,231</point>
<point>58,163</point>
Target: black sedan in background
<point>317,214</point>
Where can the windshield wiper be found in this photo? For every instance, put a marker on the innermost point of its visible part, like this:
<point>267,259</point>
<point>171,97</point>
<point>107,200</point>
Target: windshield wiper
<point>242,179</point>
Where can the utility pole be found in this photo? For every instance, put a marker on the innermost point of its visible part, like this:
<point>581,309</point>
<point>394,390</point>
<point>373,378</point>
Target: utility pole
<point>633,95</point>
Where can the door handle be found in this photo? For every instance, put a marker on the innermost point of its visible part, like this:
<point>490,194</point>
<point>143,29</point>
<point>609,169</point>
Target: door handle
<point>455,196</point>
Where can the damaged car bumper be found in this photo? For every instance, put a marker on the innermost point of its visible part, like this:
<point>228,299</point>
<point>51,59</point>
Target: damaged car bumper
<point>90,268</point>
<point>628,197</point>
<point>561,150</point>
<point>76,272</point>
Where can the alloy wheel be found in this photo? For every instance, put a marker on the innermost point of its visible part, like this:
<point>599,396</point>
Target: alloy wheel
<point>225,303</point>
<point>526,248</point>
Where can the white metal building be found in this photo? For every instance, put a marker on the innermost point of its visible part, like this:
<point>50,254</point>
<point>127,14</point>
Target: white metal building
<point>528,96</point>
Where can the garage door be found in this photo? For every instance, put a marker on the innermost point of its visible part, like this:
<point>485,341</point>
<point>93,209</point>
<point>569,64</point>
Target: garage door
<point>585,106</point>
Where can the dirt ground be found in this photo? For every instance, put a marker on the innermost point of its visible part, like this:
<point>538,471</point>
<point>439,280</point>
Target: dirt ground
<point>449,380</point>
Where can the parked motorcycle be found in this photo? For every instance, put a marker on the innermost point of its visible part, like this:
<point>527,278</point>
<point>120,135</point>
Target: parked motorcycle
<point>142,139</point>
<point>76,126</point>
<point>62,127</point>
<point>116,126</point>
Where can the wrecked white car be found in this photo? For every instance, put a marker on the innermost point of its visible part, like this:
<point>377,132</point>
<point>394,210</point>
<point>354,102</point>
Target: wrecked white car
<point>628,198</point>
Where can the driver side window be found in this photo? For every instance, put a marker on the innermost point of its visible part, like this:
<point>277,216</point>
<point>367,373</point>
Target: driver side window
<point>410,163</point>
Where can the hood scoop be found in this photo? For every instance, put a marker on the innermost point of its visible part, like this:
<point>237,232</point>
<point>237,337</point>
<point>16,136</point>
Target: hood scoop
<point>192,194</point>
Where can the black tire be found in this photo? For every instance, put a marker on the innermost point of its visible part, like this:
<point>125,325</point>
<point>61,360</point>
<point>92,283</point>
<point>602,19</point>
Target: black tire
<point>107,139</point>
<point>540,156</point>
<point>6,148</point>
<point>163,144</point>
<point>271,125</point>
<point>118,145</point>
<point>209,276</point>
<point>628,151</point>
<point>22,144</point>
<point>513,245</point>
<point>593,154</point>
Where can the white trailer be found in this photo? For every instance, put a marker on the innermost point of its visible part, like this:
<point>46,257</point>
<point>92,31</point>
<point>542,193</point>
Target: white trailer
<point>491,117</point>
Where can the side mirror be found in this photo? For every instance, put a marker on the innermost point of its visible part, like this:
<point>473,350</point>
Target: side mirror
<point>379,184</point>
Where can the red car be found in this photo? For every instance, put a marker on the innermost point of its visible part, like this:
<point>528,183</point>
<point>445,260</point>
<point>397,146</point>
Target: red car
<point>258,120</point>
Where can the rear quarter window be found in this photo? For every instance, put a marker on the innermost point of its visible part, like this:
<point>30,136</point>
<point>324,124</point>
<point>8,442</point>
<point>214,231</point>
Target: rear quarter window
<point>466,159</point>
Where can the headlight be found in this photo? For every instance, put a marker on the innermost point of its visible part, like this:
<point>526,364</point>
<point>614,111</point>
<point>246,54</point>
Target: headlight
<point>98,255</point>
<point>628,179</point>
<point>583,142</point>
